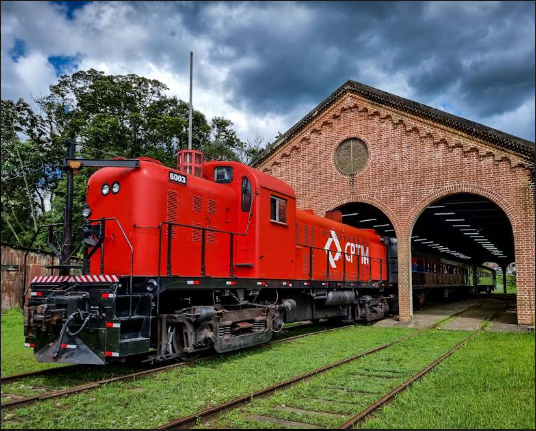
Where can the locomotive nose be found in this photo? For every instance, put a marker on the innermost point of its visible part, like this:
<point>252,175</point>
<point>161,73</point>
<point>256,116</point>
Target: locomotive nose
<point>54,326</point>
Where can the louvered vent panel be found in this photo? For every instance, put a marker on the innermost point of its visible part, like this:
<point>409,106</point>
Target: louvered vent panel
<point>212,206</point>
<point>172,211</point>
<point>312,236</point>
<point>197,203</point>
<point>196,233</point>
<point>306,235</point>
<point>211,236</point>
<point>297,233</point>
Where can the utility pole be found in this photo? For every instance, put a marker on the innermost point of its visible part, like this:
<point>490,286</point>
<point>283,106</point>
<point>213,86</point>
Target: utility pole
<point>190,113</point>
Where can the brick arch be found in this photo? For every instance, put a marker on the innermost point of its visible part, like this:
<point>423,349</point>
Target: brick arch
<point>337,202</point>
<point>416,211</point>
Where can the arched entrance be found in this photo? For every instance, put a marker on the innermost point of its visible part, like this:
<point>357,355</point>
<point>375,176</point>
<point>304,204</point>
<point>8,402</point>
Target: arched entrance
<point>451,240</point>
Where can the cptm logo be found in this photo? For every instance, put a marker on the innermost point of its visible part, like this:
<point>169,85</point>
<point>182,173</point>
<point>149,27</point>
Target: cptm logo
<point>350,249</point>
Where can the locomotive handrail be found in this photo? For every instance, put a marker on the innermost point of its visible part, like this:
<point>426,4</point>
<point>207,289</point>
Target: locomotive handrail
<point>104,219</point>
<point>311,248</point>
<point>203,230</point>
<point>203,238</point>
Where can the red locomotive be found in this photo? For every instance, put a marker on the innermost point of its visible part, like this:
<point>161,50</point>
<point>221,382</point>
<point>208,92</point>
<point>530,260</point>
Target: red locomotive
<point>207,256</point>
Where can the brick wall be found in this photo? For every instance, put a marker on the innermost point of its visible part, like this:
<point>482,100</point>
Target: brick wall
<point>412,163</point>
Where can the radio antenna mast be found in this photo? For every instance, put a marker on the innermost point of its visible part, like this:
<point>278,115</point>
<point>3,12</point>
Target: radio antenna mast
<point>190,113</point>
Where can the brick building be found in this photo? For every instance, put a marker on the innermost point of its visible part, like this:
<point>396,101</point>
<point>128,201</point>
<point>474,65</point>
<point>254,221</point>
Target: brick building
<point>414,156</point>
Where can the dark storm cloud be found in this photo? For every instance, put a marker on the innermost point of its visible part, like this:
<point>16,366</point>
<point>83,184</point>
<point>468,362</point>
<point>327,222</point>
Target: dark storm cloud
<point>481,52</point>
<point>268,63</point>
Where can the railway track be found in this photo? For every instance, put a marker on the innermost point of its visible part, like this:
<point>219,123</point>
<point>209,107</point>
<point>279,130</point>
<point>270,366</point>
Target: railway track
<point>48,393</point>
<point>73,369</point>
<point>213,414</point>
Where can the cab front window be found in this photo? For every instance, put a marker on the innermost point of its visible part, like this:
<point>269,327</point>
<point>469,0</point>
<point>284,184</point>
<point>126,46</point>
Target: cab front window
<point>223,174</point>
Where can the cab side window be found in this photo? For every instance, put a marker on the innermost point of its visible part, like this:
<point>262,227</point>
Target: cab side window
<point>278,209</point>
<point>246,195</point>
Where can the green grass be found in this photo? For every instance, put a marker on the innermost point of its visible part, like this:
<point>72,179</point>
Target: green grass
<point>157,399</point>
<point>489,383</point>
<point>15,357</point>
<point>357,384</point>
<point>510,284</point>
<point>33,385</point>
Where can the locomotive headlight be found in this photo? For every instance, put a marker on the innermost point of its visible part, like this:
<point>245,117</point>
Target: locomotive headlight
<point>105,189</point>
<point>86,212</point>
<point>115,188</point>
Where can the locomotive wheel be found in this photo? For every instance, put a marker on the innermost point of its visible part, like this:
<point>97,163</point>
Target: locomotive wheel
<point>178,341</point>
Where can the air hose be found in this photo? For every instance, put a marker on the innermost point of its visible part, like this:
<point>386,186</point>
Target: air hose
<point>65,328</point>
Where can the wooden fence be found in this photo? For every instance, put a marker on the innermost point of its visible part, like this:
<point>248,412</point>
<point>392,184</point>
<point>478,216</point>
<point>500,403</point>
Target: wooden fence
<point>13,270</point>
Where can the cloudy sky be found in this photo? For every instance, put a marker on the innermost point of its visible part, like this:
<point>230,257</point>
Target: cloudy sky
<point>266,65</point>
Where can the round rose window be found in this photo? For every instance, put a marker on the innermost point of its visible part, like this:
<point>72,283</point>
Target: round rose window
<point>351,156</point>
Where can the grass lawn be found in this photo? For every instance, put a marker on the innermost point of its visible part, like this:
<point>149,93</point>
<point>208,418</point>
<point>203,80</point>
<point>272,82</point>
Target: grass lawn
<point>348,389</point>
<point>489,383</point>
<point>15,357</point>
<point>157,399</point>
<point>510,284</point>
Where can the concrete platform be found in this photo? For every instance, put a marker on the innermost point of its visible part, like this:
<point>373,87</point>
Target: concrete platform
<point>505,322</point>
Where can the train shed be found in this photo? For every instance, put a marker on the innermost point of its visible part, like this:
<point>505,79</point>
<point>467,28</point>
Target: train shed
<point>436,181</point>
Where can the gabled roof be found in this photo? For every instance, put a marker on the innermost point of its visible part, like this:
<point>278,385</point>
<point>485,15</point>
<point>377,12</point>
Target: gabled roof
<point>492,136</point>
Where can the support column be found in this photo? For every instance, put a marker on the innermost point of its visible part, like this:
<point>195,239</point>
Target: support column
<point>405,294</point>
<point>504,278</point>
<point>525,279</point>
<point>525,257</point>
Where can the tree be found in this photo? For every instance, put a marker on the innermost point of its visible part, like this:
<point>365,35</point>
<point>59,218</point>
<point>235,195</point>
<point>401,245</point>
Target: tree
<point>108,116</point>
<point>29,169</point>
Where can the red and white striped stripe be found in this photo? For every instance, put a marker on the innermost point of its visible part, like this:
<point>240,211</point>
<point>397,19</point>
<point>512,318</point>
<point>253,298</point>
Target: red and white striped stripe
<point>67,346</point>
<point>75,279</point>
<point>113,325</point>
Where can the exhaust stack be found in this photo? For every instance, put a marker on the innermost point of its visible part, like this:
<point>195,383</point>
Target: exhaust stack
<point>190,162</point>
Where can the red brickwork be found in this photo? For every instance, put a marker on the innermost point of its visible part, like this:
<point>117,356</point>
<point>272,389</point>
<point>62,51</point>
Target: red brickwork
<point>412,163</point>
